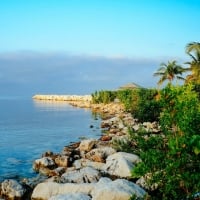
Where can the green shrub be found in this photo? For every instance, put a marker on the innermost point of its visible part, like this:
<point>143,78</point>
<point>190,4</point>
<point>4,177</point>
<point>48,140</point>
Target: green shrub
<point>103,96</point>
<point>172,158</point>
<point>148,108</point>
<point>141,103</point>
<point>197,90</point>
<point>129,98</point>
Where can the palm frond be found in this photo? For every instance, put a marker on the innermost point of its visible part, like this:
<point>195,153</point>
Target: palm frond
<point>180,78</point>
<point>193,47</point>
<point>169,71</point>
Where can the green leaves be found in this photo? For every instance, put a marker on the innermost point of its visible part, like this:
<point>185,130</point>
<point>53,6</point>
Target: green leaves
<point>195,143</point>
<point>172,158</point>
<point>103,96</point>
<point>169,72</point>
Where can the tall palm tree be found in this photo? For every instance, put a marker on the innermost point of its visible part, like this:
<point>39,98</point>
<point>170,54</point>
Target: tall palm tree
<point>193,50</point>
<point>169,72</point>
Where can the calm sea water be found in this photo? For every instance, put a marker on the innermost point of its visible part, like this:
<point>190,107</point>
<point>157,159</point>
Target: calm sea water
<point>28,128</point>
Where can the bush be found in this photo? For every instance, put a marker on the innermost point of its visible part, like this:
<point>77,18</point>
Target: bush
<point>148,108</point>
<point>103,96</point>
<point>129,98</point>
<point>172,158</point>
<point>197,90</point>
<point>141,103</point>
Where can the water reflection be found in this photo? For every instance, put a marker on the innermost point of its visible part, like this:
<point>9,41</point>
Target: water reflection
<point>52,105</point>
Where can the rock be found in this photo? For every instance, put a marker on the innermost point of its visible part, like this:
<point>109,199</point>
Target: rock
<point>59,171</point>
<point>45,191</point>
<point>119,189</point>
<point>143,182</point>
<point>100,154</point>
<point>32,182</point>
<point>12,189</point>
<point>48,154</point>
<point>120,164</point>
<point>78,164</point>
<point>105,138</point>
<point>101,144</point>
<point>62,161</point>
<point>113,130</point>
<point>125,130</point>
<point>110,122</point>
<point>72,196</point>
<point>70,149</point>
<point>87,145</point>
<point>136,127</point>
<point>96,158</point>
<point>85,175</point>
<point>45,162</point>
<point>121,125</point>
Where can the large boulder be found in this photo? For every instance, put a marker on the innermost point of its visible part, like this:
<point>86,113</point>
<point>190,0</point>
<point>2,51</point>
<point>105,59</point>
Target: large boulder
<point>84,175</point>
<point>87,145</point>
<point>100,154</point>
<point>45,162</point>
<point>120,164</point>
<point>62,161</point>
<point>12,189</point>
<point>72,196</point>
<point>120,189</point>
<point>78,164</point>
<point>46,190</point>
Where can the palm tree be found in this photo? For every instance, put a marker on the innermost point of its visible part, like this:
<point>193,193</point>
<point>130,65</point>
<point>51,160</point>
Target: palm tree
<point>193,46</point>
<point>169,72</point>
<point>193,50</point>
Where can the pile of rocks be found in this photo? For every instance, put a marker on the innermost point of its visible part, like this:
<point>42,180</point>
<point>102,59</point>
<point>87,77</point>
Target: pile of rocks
<point>63,97</point>
<point>91,169</point>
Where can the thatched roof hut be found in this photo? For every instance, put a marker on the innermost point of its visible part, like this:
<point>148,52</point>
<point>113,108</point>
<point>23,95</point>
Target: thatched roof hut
<point>129,86</point>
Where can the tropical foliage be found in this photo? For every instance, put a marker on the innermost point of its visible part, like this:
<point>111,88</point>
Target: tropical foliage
<point>193,50</point>
<point>140,102</point>
<point>169,72</point>
<point>171,158</point>
<point>103,96</point>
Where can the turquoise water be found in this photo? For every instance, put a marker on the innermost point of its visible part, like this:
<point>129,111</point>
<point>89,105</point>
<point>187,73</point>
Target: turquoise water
<point>28,128</point>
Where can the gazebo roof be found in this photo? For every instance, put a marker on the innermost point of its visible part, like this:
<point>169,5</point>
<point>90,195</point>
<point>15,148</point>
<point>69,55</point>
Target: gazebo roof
<point>130,86</point>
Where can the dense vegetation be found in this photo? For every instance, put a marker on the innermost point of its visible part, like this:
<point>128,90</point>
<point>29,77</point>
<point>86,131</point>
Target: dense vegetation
<point>140,102</point>
<point>170,159</point>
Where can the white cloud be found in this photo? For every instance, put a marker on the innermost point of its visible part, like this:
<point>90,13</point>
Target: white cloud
<point>60,72</point>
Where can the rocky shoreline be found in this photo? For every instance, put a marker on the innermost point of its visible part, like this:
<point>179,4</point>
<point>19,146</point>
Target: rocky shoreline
<point>87,170</point>
<point>86,98</point>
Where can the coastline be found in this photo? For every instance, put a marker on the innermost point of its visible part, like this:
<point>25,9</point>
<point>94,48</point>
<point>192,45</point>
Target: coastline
<point>54,97</point>
<point>93,158</point>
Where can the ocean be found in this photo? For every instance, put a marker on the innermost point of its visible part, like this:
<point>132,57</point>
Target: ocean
<point>29,128</point>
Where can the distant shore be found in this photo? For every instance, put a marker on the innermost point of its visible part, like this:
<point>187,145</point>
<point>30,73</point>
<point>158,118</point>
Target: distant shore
<point>82,101</point>
<point>87,98</point>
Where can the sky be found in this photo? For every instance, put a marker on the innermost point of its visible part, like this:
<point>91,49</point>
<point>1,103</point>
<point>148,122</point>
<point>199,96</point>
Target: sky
<point>79,46</point>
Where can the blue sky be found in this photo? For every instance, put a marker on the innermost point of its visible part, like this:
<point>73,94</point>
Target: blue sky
<point>136,31</point>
